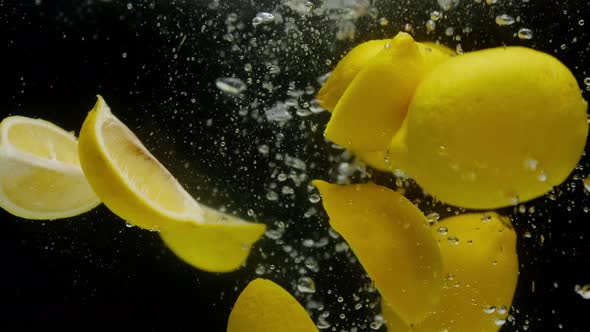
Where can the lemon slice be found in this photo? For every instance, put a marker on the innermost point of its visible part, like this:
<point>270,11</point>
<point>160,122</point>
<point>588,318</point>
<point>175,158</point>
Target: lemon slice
<point>40,175</point>
<point>392,241</point>
<point>133,184</point>
<point>374,104</point>
<point>264,306</point>
<point>481,272</point>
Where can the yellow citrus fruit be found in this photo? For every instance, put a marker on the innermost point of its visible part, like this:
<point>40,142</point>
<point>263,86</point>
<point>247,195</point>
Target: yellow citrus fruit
<point>40,175</point>
<point>346,70</point>
<point>480,264</point>
<point>392,241</point>
<point>375,103</point>
<point>264,306</point>
<point>222,244</point>
<point>495,127</point>
<point>133,184</point>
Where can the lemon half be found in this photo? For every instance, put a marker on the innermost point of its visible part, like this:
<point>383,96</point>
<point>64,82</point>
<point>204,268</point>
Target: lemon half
<point>40,175</point>
<point>138,188</point>
<point>264,306</point>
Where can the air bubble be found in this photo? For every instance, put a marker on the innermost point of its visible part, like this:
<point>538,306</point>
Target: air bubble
<point>504,20</point>
<point>525,34</point>
<point>231,85</point>
<point>306,285</point>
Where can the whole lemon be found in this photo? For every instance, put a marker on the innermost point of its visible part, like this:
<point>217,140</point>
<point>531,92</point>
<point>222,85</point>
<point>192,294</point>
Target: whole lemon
<point>495,127</point>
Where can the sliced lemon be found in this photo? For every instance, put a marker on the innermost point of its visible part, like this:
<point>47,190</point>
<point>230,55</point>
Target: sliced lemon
<point>391,239</point>
<point>375,103</point>
<point>264,306</point>
<point>496,127</point>
<point>40,175</point>
<point>481,272</point>
<point>138,188</point>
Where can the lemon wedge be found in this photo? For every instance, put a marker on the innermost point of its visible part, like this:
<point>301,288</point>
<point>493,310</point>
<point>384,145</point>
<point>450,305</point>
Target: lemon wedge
<point>40,175</point>
<point>481,272</point>
<point>374,104</point>
<point>496,127</point>
<point>134,185</point>
<point>264,306</point>
<point>392,241</point>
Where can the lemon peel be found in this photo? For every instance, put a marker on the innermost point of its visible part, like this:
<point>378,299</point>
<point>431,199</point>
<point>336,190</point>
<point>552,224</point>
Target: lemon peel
<point>496,127</point>
<point>375,103</point>
<point>481,268</point>
<point>40,175</point>
<point>264,306</point>
<point>134,185</point>
<point>391,239</point>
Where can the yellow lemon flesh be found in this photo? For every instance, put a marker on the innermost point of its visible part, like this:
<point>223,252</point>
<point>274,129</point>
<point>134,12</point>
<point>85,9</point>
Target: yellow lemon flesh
<point>496,127</point>
<point>481,271</point>
<point>391,239</point>
<point>135,186</point>
<point>264,306</point>
<point>346,70</point>
<point>40,175</point>
<point>375,103</point>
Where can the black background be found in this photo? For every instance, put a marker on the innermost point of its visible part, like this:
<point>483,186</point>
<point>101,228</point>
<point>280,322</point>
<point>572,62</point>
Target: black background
<point>92,271</point>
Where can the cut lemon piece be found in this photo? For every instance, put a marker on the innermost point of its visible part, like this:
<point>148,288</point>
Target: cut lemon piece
<point>264,306</point>
<point>374,105</point>
<point>135,186</point>
<point>392,241</point>
<point>221,245</point>
<point>40,175</point>
<point>481,268</point>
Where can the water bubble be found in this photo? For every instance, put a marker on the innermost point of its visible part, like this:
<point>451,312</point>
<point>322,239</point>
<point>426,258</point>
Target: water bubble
<point>449,31</point>
<point>383,22</point>
<point>447,5</point>
<point>502,310</point>
<point>453,240</point>
<point>489,309</point>
<point>586,183</point>
<point>435,15</point>
<point>499,321</point>
<point>278,113</point>
<point>260,269</point>
<point>306,285</point>
<point>262,18</point>
<point>443,231</point>
<point>408,27</point>
<point>581,22</point>
<point>587,81</point>
<point>314,198</point>
<point>504,20</point>
<point>433,218</point>
<point>272,195</point>
<point>542,177</point>
<point>584,291</point>
<point>525,34</point>
<point>491,2</point>
<point>273,234</point>
<point>231,85</point>
<point>315,107</point>
<point>430,26</point>
<point>376,325</point>
<point>486,218</point>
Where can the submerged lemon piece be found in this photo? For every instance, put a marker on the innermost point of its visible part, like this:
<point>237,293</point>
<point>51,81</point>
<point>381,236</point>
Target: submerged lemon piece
<point>220,245</point>
<point>391,239</point>
<point>134,185</point>
<point>264,306</point>
<point>346,70</point>
<point>40,175</point>
<point>495,127</point>
<point>481,271</point>
<point>375,103</point>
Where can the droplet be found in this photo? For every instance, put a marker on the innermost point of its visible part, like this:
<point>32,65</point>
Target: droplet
<point>587,81</point>
<point>435,15</point>
<point>453,240</point>
<point>383,22</point>
<point>489,309</point>
<point>525,34</point>
<point>504,20</point>
<point>262,18</point>
<point>314,198</point>
<point>447,5</point>
<point>231,85</point>
<point>499,321</point>
<point>273,234</point>
<point>581,22</point>
<point>408,27</point>
<point>430,26</point>
<point>449,31</point>
<point>306,285</point>
<point>443,231</point>
<point>433,218</point>
<point>584,291</point>
<point>502,310</point>
<point>376,325</point>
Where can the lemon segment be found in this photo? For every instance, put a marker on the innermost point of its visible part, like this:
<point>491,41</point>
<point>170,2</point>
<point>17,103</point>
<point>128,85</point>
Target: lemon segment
<point>391,239</point>
<point>221,245</point>
<point>374,105</point>
<point>128,178</point>
<point>496,127</point>
<point>481,272</point>
<point>346,70</point>
<point>40,175</point>
<point>264,306</point>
